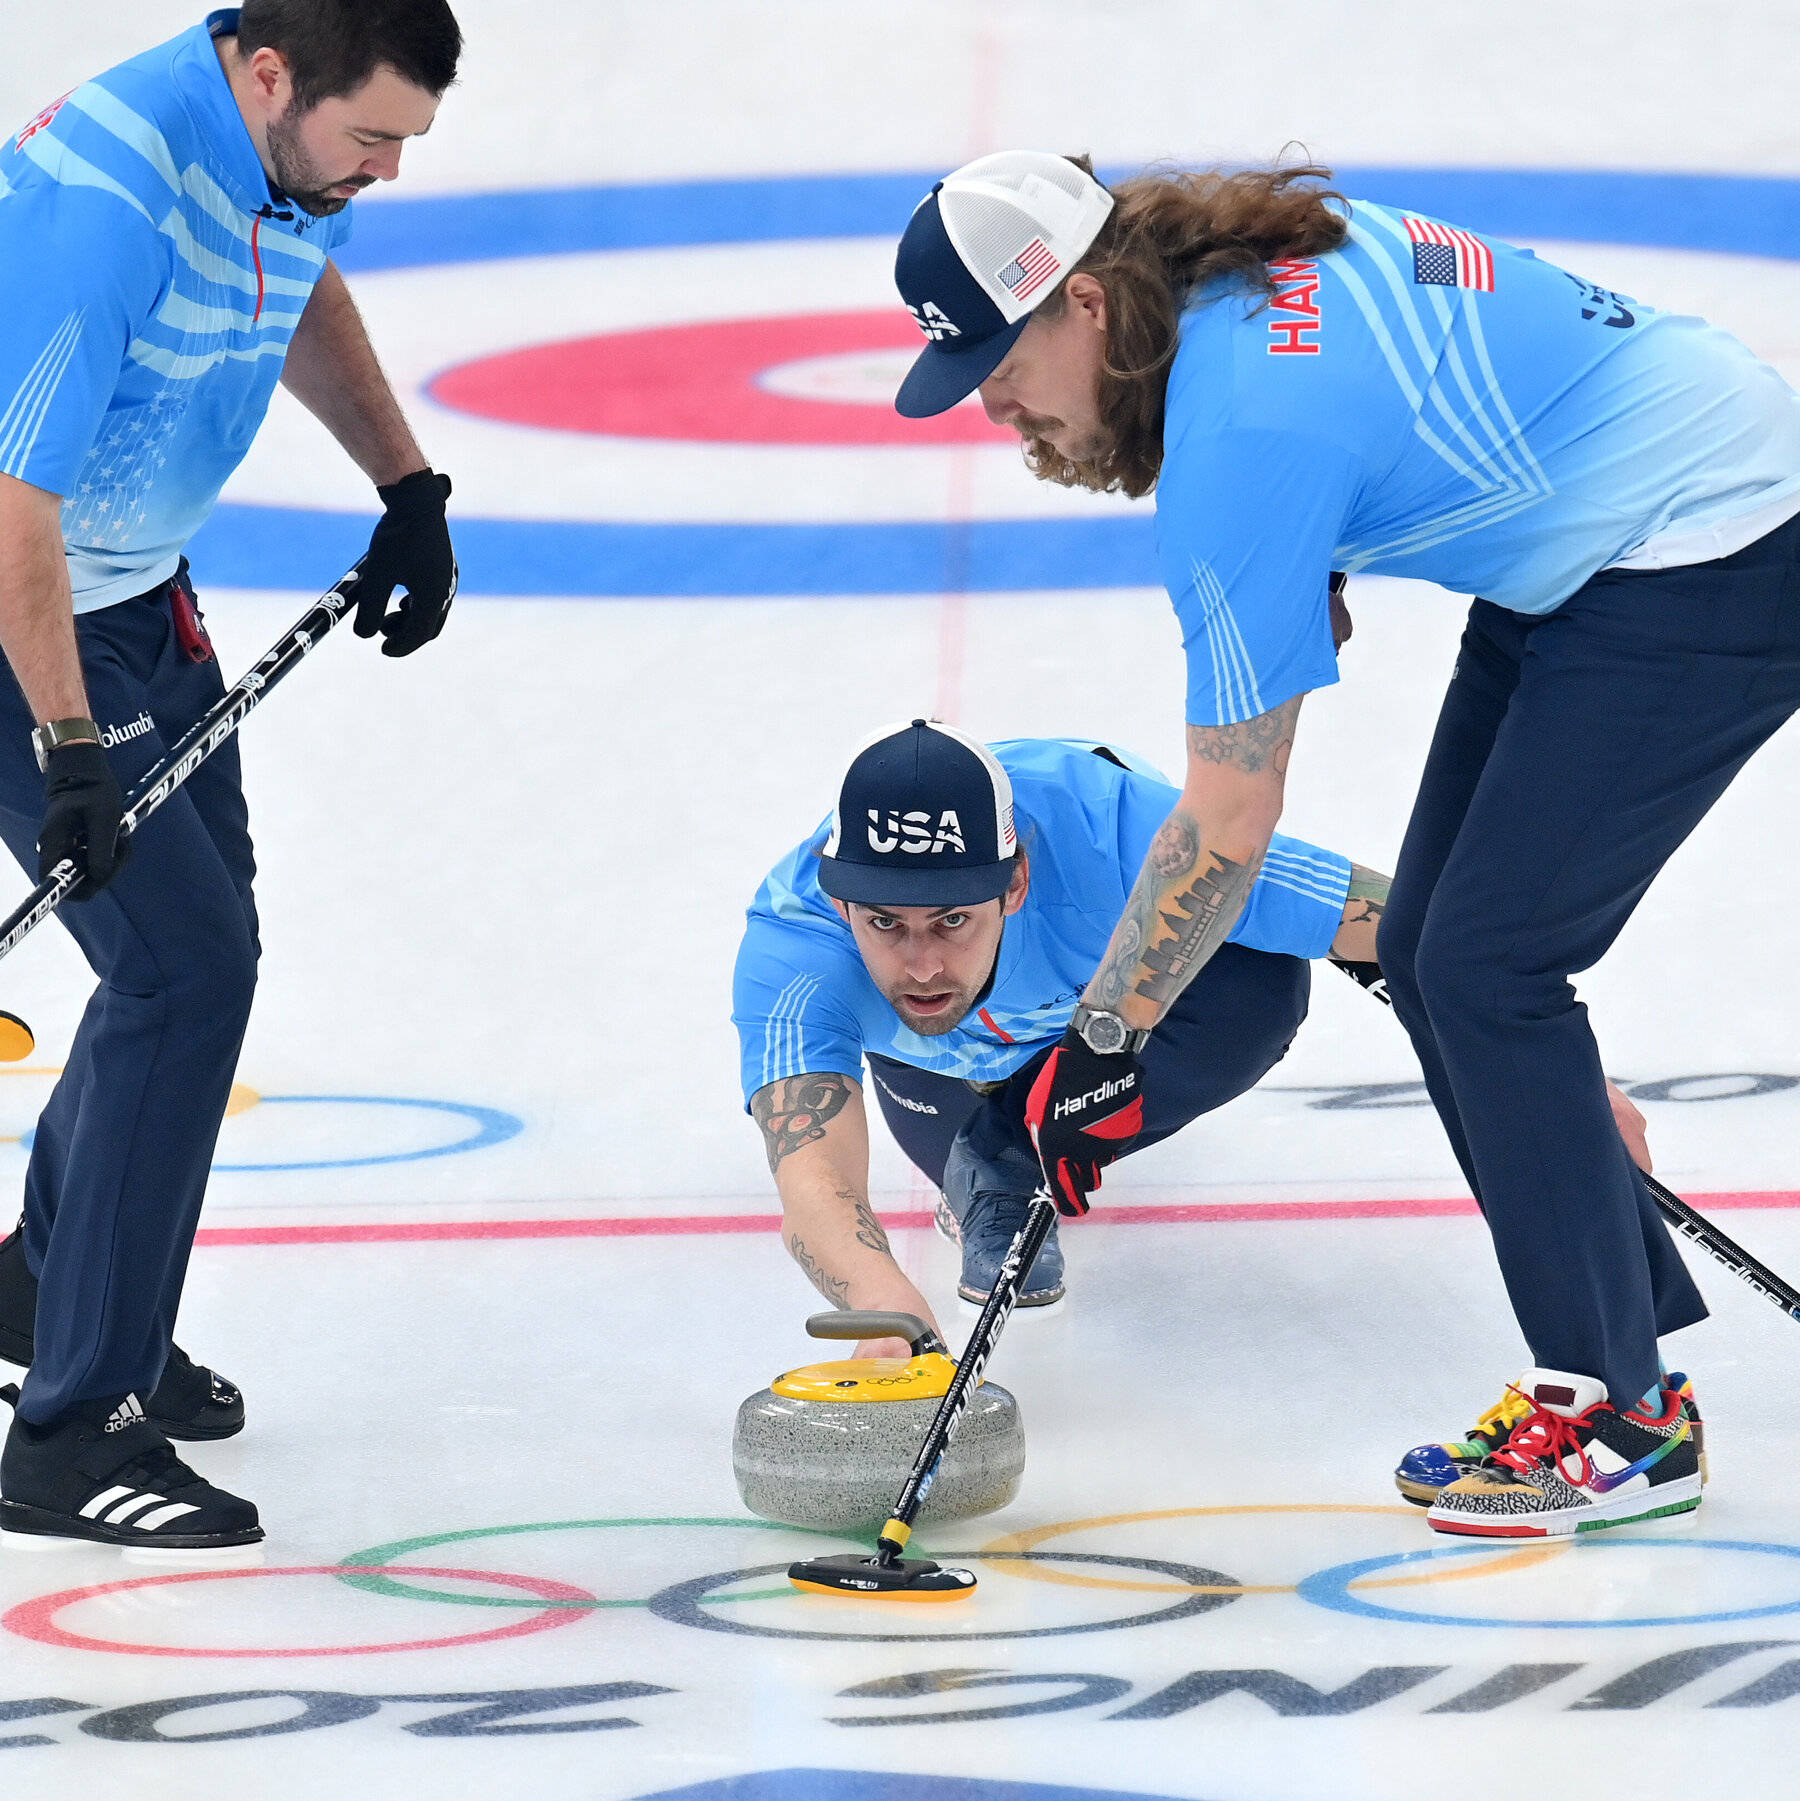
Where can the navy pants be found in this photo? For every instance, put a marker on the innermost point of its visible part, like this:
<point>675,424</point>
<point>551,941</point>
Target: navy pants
<point>1575,751</point>
<point>1228,1028</point>
<point>119,1164</point>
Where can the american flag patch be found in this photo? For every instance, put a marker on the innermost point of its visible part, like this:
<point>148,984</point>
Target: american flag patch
<point>1445,257</point>
<point>1029,270</point>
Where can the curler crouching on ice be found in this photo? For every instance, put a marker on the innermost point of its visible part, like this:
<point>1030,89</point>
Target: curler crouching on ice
<point>940,926</point>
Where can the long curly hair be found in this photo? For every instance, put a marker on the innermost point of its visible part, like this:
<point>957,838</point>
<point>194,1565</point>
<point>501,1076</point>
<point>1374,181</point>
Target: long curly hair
<point>1170,232</point>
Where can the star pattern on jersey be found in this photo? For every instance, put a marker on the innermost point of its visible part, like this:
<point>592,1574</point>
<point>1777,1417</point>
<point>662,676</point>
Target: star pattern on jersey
<point>112,494</point>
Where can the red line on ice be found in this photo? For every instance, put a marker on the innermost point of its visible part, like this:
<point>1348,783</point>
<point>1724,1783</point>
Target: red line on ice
<point>684,1224</point>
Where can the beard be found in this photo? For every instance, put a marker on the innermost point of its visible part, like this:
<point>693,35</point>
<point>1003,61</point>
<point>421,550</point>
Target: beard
<point>299,177</point>
<point>961,1002</point>
<point>1087,450</point>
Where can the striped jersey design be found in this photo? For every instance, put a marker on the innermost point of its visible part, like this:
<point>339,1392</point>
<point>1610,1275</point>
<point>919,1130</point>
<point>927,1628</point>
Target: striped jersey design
<point>151,282</point>
<point>1461,411</point>
<point>1240,696</point>
<point>23,420</point>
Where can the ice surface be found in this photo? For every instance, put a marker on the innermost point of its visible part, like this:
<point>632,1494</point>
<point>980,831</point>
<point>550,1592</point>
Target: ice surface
<point>502,885</point>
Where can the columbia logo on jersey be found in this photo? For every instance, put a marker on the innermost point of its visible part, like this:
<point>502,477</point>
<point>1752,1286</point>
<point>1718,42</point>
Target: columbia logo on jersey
<point>906,1100</point>
<point>913,833</point>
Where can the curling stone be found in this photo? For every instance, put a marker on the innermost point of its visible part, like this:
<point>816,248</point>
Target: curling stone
<point>830,1445</point>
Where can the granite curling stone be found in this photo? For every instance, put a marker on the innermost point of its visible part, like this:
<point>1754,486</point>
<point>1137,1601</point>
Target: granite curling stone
<point>831,1444</point>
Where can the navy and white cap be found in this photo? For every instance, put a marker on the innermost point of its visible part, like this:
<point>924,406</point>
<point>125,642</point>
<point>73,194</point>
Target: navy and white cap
<point>924,819</point>
<point>986,245</point>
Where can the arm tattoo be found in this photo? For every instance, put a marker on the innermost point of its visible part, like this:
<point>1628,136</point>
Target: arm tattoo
<point>1254,745</point>
<point>1173,853</point>
<point>834,1288</point>
<point>796,1111</point>
<point>869,1230</point>
<point>1187,898</point>
<point>1198,917</point>
<point>1368,896</point>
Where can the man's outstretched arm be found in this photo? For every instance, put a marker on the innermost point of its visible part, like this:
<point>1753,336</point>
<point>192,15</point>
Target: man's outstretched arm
<point>816,1134</point>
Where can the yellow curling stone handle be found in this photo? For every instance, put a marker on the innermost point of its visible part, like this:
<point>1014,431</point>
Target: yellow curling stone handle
<point>925,1378</point>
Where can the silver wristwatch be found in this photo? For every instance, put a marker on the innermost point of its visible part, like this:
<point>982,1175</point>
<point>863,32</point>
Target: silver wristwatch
<point>57,732</point>
<point>1106,1032</point>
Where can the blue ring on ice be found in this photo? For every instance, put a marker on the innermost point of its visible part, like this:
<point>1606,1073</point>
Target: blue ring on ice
<point>491,1127</point>
<point>1331,1588</point>
<point>267,546</point>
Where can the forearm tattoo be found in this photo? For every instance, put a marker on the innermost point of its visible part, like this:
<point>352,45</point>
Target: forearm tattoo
<point>834,1288</point>
<point>1368,896</point>
<point>869,1230</point>
<point>1187,898</point>
<point>796,1111</point>
<point>1198,917</point>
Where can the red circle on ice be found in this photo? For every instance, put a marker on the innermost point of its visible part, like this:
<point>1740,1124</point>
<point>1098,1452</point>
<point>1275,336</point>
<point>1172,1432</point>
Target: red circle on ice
<point>36,1619</point>
<point>816,378</point>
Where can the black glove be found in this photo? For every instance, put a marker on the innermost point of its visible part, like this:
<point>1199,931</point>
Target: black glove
<point>82,807</point>
<point>1085,1108</point>
<point>410,549</point>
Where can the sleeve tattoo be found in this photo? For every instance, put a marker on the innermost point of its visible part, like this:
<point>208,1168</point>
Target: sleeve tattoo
<point>1252,745</point>
<point>796,1111</point>
<point>834,1288</point>
<point>1368,896</point>
<point>869,1230</point>
<point>1187,898</point>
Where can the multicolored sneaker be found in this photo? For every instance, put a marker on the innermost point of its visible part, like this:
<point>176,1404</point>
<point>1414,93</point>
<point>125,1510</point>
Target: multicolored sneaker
<point>1427,1470</point>
<point>1684,1387</point>
<point>1575,1463</point>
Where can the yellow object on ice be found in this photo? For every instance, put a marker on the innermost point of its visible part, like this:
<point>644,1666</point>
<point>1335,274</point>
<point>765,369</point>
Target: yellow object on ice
<point>16,1040</point>
<point>924,1378</point>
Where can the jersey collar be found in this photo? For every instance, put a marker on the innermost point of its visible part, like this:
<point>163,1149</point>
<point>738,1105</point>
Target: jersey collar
<point>231,151</point>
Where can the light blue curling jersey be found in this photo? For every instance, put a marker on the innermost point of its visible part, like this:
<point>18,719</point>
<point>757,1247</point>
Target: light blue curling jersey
<point>1424,402</point>
<point>149,285</point>
<point>803,1003</point>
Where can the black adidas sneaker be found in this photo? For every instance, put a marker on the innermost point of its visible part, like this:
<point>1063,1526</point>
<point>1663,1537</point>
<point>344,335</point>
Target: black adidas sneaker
<point>190,1402</point>
<point>105,1474</point>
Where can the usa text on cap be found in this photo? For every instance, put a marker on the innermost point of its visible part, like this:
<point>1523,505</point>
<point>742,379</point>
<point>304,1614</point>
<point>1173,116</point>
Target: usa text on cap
<point>924,819</point>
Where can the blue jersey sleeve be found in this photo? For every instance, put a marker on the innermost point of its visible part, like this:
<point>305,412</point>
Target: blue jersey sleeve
<point>81,270</point>
<point>1246,523</point>
<point>790,1005</point>
<point>1297,902</point>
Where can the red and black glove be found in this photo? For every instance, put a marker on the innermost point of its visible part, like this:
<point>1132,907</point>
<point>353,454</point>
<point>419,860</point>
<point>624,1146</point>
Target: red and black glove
<point>1085,1108</point>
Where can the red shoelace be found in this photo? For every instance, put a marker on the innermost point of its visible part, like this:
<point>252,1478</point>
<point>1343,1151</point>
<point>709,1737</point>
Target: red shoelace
<point>1545,1436</point>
